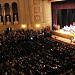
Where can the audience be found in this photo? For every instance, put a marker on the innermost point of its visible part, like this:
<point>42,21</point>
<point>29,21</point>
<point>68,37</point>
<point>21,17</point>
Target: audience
<point>29,53</point>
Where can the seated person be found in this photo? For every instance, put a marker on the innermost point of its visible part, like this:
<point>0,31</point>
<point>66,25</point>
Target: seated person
<point>48,29</point>
<point>55,26</point>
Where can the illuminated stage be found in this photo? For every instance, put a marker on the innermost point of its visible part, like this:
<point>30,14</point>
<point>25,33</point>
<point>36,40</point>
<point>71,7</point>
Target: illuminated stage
<point>64,36</point>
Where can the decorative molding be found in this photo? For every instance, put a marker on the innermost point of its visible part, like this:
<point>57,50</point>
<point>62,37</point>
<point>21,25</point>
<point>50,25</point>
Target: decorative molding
<point>36,2</point>
<point>37,18</point>
<point>36,9</point>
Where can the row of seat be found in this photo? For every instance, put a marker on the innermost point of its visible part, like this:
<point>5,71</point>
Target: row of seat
<point>41,56</point>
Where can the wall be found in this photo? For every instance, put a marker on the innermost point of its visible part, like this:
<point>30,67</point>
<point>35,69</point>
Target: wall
<point>47,14</point>
<point>31,12</point>
<point>40,13</point>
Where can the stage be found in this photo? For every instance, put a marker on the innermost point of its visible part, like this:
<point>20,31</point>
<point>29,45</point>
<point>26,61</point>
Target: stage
<point>64,36</point>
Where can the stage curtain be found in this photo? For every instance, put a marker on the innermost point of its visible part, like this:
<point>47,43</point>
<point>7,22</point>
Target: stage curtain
<point>65,17</point>
<point>59,18</point>
<point>63,13</point>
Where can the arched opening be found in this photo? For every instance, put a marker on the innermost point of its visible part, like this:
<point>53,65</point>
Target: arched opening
<point>1,17</point>
<point>15,13</point>
<point>7,13</point>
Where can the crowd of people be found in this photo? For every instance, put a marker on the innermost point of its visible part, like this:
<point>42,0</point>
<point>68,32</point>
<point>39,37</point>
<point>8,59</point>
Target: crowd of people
<point>26,52</point>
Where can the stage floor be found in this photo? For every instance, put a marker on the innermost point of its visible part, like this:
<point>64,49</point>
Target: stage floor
<point>64,36</point>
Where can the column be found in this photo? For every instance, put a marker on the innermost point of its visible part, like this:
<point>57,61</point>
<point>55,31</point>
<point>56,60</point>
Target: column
<point>7,18</point>
<point>11,14</point>
<point>15,17</point>
<point>0,19</point>
<point>3,14</point>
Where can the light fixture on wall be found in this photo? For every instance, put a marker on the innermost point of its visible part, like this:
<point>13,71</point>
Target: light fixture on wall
<point>37,26</point>
<point>24,26</point>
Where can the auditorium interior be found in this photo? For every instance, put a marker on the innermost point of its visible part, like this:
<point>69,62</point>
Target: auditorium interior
<point>37,37</point>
